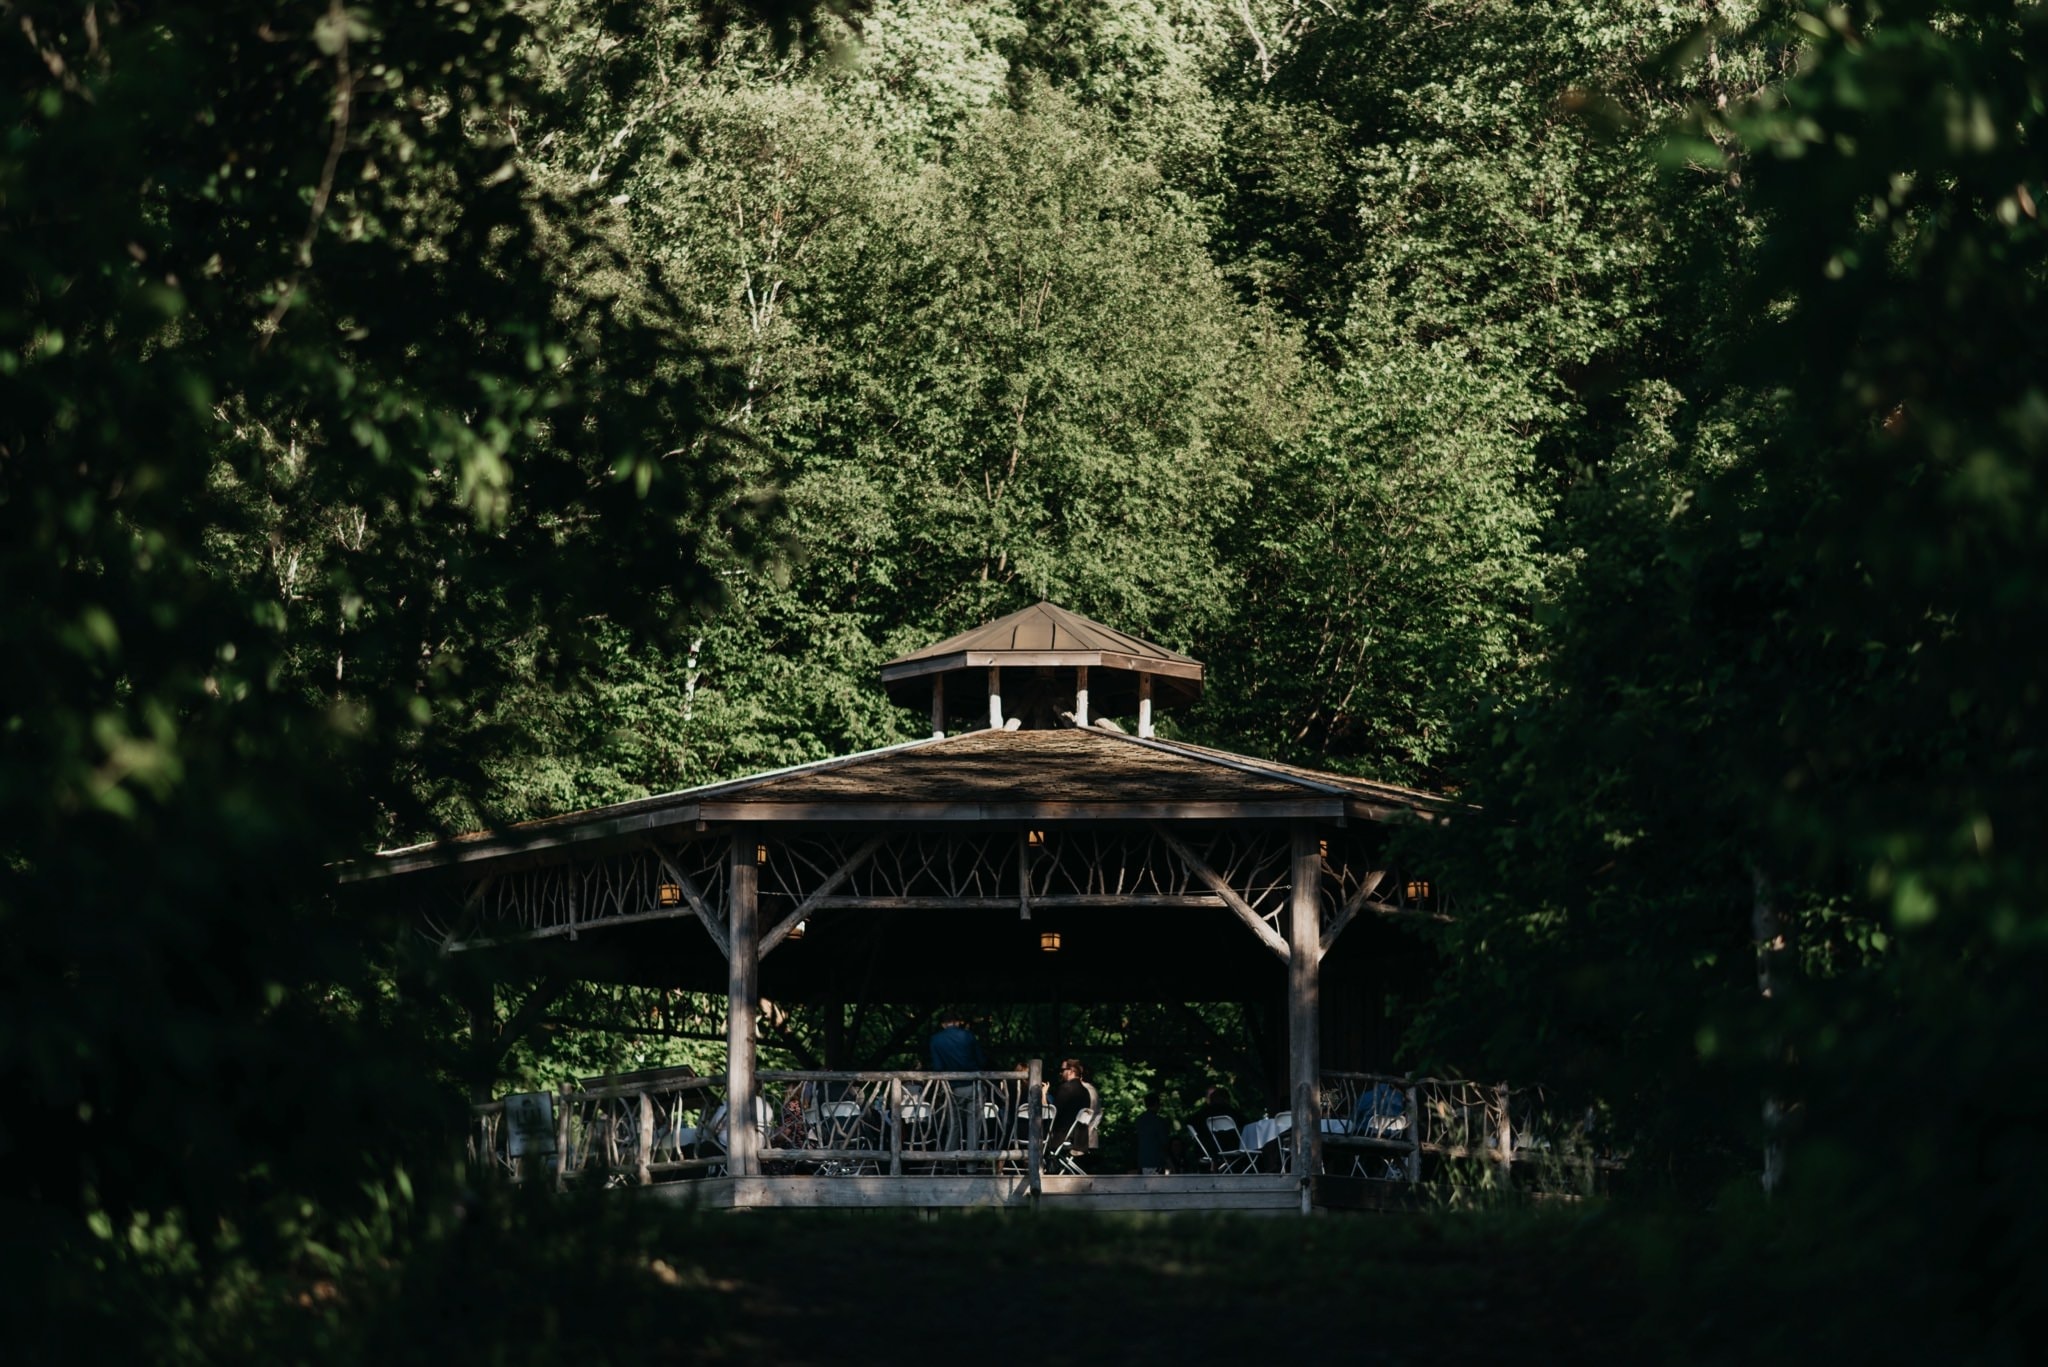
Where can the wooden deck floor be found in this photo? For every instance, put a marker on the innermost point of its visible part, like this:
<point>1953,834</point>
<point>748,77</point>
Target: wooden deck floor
<point>1273,1193</point>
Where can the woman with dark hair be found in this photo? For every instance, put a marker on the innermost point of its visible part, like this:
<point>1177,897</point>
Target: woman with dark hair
<point>1072,1096</point>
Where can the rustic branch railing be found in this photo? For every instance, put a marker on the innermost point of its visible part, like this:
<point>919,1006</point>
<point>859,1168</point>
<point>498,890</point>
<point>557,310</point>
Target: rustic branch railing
<point>837,1124</point>
<point>656,1126</point>
<point>634,1129</point>
<point>1385,1124</point>
<point>666,1125</point>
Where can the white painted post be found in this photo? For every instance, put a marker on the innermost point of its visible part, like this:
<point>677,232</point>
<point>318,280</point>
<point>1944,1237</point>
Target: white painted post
<point>1145,704</point>
<point>1080,695</point>
<point>995,698</point>
<point>938,707</point>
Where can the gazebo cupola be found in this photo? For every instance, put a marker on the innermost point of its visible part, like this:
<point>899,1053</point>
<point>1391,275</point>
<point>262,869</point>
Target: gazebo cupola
<point>1042,667</point>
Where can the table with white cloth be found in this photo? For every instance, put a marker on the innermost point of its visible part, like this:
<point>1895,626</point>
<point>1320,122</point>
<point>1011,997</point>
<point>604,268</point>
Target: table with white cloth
<point>1259,1133</point>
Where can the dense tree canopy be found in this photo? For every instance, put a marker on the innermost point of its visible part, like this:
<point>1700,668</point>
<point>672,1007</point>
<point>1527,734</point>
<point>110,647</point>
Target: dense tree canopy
<point>1624,414</point>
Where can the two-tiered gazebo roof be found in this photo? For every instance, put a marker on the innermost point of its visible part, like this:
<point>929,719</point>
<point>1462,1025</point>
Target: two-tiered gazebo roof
<point>942,868</point>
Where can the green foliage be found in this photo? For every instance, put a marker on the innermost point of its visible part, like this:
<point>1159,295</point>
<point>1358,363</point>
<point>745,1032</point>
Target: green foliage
<point>418,413</point>
<point>322,426</point>
<point>1796,674</point>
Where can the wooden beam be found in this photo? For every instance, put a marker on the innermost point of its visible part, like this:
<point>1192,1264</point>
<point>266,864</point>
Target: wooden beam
<point>742,1002</point>
<point>1308,806</point>
<point>1304,1007</point>
<point>1230,897</point>
<point>695,899</point>
<point>818,894</point>
<point>1366,888</point>
<point>938,707</point>
<point>572,930</point>
<point>1165,901</point>
<point>1023,875</point>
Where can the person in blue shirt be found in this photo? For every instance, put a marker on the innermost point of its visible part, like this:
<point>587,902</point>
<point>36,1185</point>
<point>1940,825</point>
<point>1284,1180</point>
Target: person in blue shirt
<point>954,1049</point>
<point>1379,1111</point>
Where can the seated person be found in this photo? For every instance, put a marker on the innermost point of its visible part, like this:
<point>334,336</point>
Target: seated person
<point>1215,1101</point>
<point>1069,1099</point>
<point>1379,1107</point>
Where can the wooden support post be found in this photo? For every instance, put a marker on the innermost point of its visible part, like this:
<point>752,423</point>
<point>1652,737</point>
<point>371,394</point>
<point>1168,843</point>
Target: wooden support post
<point>742,1005</point>
<point>938,707</point>
<point>895,1127</point>
<point>562,1138</point>
<point>1080,695</point>
<point>995,698</point>
<point>644,1158</point>
<point>1504,1136</point>
<point>1414,1136</point>
<point>1023,875</point>
<point>1304,1028</point>
<point>1145,705</point>
<point>1034,1125</point>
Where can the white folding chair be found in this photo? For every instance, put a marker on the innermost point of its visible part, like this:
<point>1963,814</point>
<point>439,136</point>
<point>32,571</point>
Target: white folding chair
<point>712,1134</point>
<point>1227,1142</point>
<point>1063,1158</point>
<point>1204,1155</point>
<point>839,1128</point>
<point>991,1136</point>
<point>920,1133</point>
<point>1046,1114</point>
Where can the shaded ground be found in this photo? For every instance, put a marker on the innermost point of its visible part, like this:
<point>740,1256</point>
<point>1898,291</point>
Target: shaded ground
<point>1083,1289</point>
<point>1029,1288</point>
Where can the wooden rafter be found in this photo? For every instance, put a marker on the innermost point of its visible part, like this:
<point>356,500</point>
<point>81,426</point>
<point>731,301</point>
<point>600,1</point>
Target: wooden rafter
<point>1216,884</point>
<point>817,895</point>
<point>1367,886</point>
<point>713,923</point>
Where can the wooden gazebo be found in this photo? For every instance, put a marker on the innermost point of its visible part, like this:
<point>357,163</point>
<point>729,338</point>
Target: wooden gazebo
<point>942,869</point>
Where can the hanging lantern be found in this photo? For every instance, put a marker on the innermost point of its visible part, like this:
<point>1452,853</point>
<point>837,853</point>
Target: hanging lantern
<point>1049,941</point>
<point>1418,890</point>
<point>669,894</point>
<point>760,854</point>
<point>1035,839</point>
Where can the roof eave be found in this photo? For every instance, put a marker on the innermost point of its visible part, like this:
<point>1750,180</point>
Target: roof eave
<point>897,671</point>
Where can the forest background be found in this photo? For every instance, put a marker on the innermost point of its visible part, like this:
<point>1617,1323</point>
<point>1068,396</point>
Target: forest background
<point>1626,416</point>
